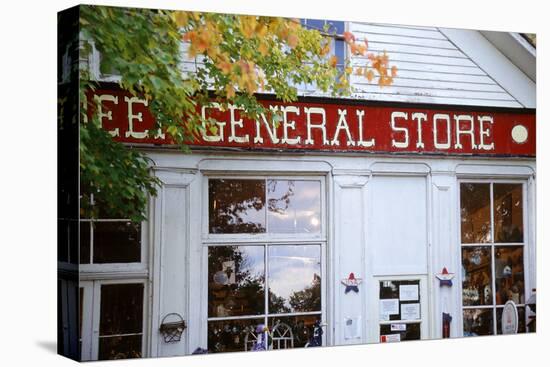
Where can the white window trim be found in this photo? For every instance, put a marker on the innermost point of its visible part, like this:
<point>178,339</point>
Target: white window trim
<point>265,239</point>
<point>491,177</point>
<point>140,269</point>
<point>91,316</point>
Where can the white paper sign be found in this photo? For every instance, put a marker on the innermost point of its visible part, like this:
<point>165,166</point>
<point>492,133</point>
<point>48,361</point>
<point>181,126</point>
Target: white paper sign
<point>410,311</point>
<point>352,328</point>
<point>408,292</point>
<point>390,338</point>
<point>388,307</point>
<point>398,327</point>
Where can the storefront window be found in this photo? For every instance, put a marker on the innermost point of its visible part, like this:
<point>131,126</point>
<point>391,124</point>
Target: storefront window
<point>240,273</point>
<point>106,240</point>
<point>492,254</point>
<point>239,206</point>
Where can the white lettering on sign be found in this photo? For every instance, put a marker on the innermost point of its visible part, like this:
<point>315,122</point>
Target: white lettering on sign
<point>483,132</point>
<point>270,127</point>
<point>363,143</point>
<point>108,115</point>
<point>221,125</point>
<point>318,127</point>
<point>289,124</point>
<point>131,116</point>
<point>419,117</point>
<point>446,118</point>
<point>399,144</point>
<point>342,125</point>
<point>460,132</point>
<point>234,123</point>
<point>310,125</point>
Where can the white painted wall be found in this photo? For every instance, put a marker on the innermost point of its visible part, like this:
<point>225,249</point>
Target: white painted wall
<point>387,217</point>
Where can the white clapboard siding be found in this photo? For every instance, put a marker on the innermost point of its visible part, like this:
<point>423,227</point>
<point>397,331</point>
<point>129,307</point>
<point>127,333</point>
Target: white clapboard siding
<point>431,69</point>
<point>435,100</point>
<point>398,30</point>
<point>422,58</point>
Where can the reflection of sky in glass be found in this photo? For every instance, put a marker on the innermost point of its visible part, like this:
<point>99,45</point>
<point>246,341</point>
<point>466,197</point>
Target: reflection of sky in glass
<point>292,269</point>
<point>294,206</point>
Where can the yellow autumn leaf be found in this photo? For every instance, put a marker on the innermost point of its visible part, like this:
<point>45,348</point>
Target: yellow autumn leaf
<point>181,18</point>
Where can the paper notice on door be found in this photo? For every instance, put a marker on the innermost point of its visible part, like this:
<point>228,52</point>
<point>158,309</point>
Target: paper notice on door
<point>388,307</point>
<point>398,327</point>
<point>408,292</point>
<point>410,311</point>
<point>390,338</point>
<point>352,328</point>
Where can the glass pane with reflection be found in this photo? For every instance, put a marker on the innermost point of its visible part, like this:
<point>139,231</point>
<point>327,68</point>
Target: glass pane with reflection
<point>294,206</point>
<point>294,278</point>
<point>476,276</point>
<point>232,335</point>
<point>509,275</point>
<point>508,212</point>
<point>478,322</point>
<point>236,206</point>
<point>475,212</point>
<point>236,279</point>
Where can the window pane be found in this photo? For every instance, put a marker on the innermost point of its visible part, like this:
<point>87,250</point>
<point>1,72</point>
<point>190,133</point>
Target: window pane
<point>476,276</point>
<point>508,212</point>
<point>509,275</point>
<point>231,335</point>
<point>121,309</point>
<point>294,278</point>
<point>236,206</point>
<point>294,206</point>
<point>406,331</point>
<point>119,347</point>
<point>236,279</point>
<point>117,242</point>
<point>292,331</point>
<point>521,320</point>
<point>85,242</point>
<point>475,214</point>
<point>478,322</point>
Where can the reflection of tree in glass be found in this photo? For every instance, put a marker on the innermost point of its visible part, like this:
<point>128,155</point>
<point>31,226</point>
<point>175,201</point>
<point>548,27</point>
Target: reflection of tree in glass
<point>279,205</point>
<point>308,299</point>
<point>245,296</point>
<point>233,202</point>
<point>277,304</point>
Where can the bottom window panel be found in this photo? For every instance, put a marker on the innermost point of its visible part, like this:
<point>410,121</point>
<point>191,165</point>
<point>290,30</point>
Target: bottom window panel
<point>292,331</point>
<point>399,332</point>
<point>232,335</point>
<point>478,321</point>
<point>120,347</point>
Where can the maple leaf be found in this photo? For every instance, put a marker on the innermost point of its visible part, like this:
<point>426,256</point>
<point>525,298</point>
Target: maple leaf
<point>393,71</point>
<point>348,37</point>
<point>370,75</point>
<point>333,61</point>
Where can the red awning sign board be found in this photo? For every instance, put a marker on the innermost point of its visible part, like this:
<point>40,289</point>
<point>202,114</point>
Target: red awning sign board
<point>342,125</point>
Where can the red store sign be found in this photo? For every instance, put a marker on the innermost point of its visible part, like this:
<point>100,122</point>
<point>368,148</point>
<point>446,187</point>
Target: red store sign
<point>346,126</point>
